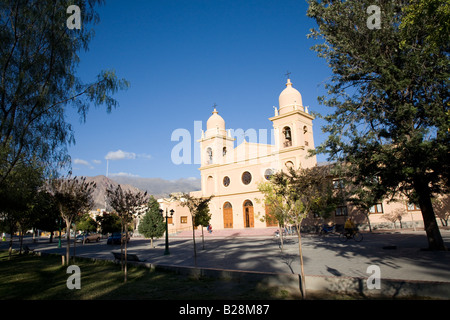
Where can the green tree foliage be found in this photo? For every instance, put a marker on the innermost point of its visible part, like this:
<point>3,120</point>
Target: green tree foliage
<point>18,197</point>
<point>39,56</point>
<point>197,206</point>
<point>109,223</point>
<point>389,96</point>
<point>295,194</point>
<point>87,223</point>
<point>152,225</point>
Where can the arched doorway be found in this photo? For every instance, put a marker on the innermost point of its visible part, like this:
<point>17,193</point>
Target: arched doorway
<point>227,215</point>
<point>249,217</point>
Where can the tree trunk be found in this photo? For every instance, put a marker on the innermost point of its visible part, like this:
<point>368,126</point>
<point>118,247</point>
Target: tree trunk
<point>435,241</point>
<point>280,233</point>
<point>68,241</point>
<point>203,239</point>
<point>126,238</point>
<point>302,272</point>
<point>193,237</point>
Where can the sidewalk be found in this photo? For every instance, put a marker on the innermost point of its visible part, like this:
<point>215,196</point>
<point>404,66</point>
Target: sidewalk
<point>227,233</point>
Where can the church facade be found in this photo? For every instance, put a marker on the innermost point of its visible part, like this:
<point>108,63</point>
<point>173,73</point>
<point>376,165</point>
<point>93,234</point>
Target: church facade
<point>231,174</point>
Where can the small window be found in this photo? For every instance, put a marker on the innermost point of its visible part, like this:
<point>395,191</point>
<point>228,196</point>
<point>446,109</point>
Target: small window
<point>378,208</point>
<point>183,219</point>
<point>338,184</point>
<point>412,207</point>
<point>268,174</point>
<point>246,177</point>
<point>226,181</point>
<point>224,151</point>
<point>341,211</point>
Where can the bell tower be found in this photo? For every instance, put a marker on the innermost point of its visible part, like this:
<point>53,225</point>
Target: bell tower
<point>216,147</point>
<point>293,130</point>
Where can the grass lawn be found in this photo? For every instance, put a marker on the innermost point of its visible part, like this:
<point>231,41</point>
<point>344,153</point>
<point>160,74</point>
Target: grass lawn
<point>32,277</point>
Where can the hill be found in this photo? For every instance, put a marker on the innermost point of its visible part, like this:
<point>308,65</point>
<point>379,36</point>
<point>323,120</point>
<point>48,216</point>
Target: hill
<point>155,186</point>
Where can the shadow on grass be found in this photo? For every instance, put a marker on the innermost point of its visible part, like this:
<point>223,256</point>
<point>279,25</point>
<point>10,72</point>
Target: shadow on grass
<point>28,277</point>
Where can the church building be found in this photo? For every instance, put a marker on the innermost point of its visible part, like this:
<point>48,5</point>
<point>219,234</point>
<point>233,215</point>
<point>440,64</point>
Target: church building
<point>231,174</point>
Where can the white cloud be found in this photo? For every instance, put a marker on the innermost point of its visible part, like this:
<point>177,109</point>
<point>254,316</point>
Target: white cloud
<point>120,155</point>
<point>83,162</point>
<point>97,161</point>
<point>124,174</point>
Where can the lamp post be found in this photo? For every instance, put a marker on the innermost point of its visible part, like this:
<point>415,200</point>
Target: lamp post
<point>166,251</point>
<point>58,221</point>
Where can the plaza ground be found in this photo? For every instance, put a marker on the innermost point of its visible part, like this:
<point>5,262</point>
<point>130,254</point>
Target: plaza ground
<point>259,250</point>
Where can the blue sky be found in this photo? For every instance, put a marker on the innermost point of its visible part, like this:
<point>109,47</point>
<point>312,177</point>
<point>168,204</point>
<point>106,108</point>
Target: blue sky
<point>182,57</point>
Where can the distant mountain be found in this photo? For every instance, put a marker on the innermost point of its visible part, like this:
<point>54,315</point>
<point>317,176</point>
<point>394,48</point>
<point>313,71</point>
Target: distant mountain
<point>159,187</point>
<point>155,186</point>
<point>102,183</point>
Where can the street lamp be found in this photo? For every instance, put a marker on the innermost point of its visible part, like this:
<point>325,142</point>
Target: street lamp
<point>58,221</point>
<point>166,251</point>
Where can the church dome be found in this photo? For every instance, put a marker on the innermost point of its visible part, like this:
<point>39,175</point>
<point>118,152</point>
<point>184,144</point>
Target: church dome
<point>215,124</point>
<point>290,99</point>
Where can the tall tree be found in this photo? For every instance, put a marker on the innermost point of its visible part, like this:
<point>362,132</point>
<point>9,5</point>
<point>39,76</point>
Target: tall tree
<point>296,194</point>
<point>128,206</point>
<point>19,197</point>
<point>73,197</point>
<point>389,94</point>
<point>39,55</point>
<point>152,225</point>
<point>195,205</point>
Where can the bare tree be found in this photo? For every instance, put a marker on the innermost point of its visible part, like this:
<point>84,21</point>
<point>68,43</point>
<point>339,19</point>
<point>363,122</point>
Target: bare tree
<point>73,197</point>
<point>128,205</point>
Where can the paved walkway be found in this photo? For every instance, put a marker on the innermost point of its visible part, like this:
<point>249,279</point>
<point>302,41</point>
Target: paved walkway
<point>258,250</point>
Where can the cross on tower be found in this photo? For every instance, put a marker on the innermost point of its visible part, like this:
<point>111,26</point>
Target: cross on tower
<point>288,74</point>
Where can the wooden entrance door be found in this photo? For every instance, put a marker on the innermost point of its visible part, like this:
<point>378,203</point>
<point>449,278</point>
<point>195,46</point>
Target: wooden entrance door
<point>249,217</point>
<point>227,215</point>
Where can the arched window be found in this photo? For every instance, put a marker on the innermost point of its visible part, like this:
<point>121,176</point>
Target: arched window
<point>209,155</point>
<point>287,137</point>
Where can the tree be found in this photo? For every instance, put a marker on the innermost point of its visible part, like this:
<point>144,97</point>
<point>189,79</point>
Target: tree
<point>46,213</point>
<point>296,194</point>
<point>109,223</point>
<point>152,225</point>
<point>196,206</point>
<point>18,197</point>
<point>390,98</point>
<point>73,197</point>
<point>39,56</point>
<point>202,218</point>
<point>277,202</point>
<point>87,223</point>
<point>128,205</point>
